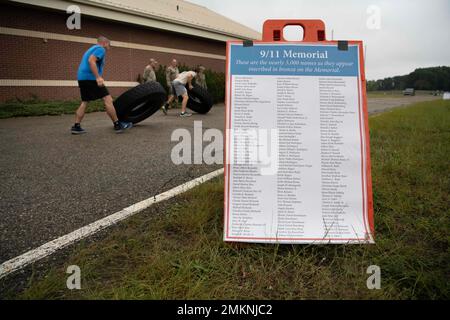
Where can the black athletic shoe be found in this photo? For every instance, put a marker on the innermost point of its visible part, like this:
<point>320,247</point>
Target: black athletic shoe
<point>77,130</point>
<point>122,126</point>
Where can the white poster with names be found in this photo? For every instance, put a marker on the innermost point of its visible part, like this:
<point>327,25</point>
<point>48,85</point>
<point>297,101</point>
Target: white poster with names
<point>297,156</point>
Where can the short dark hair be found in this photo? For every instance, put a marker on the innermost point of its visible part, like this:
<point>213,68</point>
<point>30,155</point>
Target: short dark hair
<point>102,39</point>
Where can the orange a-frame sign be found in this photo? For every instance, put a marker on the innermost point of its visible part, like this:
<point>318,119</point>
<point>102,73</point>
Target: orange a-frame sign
<point>297,156</point>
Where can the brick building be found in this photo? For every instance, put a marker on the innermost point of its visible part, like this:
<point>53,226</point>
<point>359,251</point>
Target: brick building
<point>40,55</point>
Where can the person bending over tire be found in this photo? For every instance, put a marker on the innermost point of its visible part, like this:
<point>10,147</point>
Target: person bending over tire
<point>179,89</point>
<point>92,86</point>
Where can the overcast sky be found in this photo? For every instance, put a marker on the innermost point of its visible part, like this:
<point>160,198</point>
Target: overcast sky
<point>412,33</point>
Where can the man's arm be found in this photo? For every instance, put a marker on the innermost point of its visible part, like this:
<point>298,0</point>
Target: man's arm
<point>189,81</point>
<point>146,74</point>
<point>94,69</point>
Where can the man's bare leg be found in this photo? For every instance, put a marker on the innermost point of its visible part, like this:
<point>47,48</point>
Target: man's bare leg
<point>79,114</point>
<point>184,103</point>
<point>171,97</point>
<point>110,110</point>
<point>183,106</point>
<point>165,107</point>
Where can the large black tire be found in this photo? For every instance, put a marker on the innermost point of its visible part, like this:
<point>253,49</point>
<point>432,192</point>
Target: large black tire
<point>140,102</point>
<point>200,100</point>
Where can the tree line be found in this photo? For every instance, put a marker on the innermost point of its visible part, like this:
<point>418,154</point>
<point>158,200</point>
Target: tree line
<point>434,78</point>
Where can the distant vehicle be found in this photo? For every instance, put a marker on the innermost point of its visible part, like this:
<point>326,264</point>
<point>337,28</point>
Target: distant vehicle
<point>446,96</point>
<point>409,92</point>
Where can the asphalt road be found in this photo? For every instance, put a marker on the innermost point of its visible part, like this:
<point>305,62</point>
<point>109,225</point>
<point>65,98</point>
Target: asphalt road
<point>384,103</point>
<point>53,183</point>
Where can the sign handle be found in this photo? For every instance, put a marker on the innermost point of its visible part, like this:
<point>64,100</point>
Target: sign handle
<point>313,30</point>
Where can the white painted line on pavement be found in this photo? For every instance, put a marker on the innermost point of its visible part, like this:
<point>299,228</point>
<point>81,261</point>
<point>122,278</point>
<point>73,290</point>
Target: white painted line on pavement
<point>49,248</point>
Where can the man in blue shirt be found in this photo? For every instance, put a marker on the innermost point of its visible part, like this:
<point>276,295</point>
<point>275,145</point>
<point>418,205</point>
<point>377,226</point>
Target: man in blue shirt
<point>92,86</point>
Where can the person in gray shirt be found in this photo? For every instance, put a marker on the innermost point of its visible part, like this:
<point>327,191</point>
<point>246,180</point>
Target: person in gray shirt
<point>149,71</point>
<point>200,79</point>
<point>172,73</point>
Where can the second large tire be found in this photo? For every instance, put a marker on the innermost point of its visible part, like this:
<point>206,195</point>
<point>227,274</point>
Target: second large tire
<point>140,102</point>
<point>200,100</point>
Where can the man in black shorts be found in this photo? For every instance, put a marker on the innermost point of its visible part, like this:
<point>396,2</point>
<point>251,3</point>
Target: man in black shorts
<point>92,86</point>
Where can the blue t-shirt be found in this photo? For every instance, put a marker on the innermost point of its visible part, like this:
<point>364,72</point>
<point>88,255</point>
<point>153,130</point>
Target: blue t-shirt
<point>84,71</point>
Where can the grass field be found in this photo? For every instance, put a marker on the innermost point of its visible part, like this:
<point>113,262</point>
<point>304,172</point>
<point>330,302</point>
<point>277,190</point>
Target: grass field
<point>178,252</point>
<point>36,107</point>
<point>40,108</point>
<point>44,108</point>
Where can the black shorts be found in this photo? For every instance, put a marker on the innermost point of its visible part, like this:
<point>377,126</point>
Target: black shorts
<point>90,91</point>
